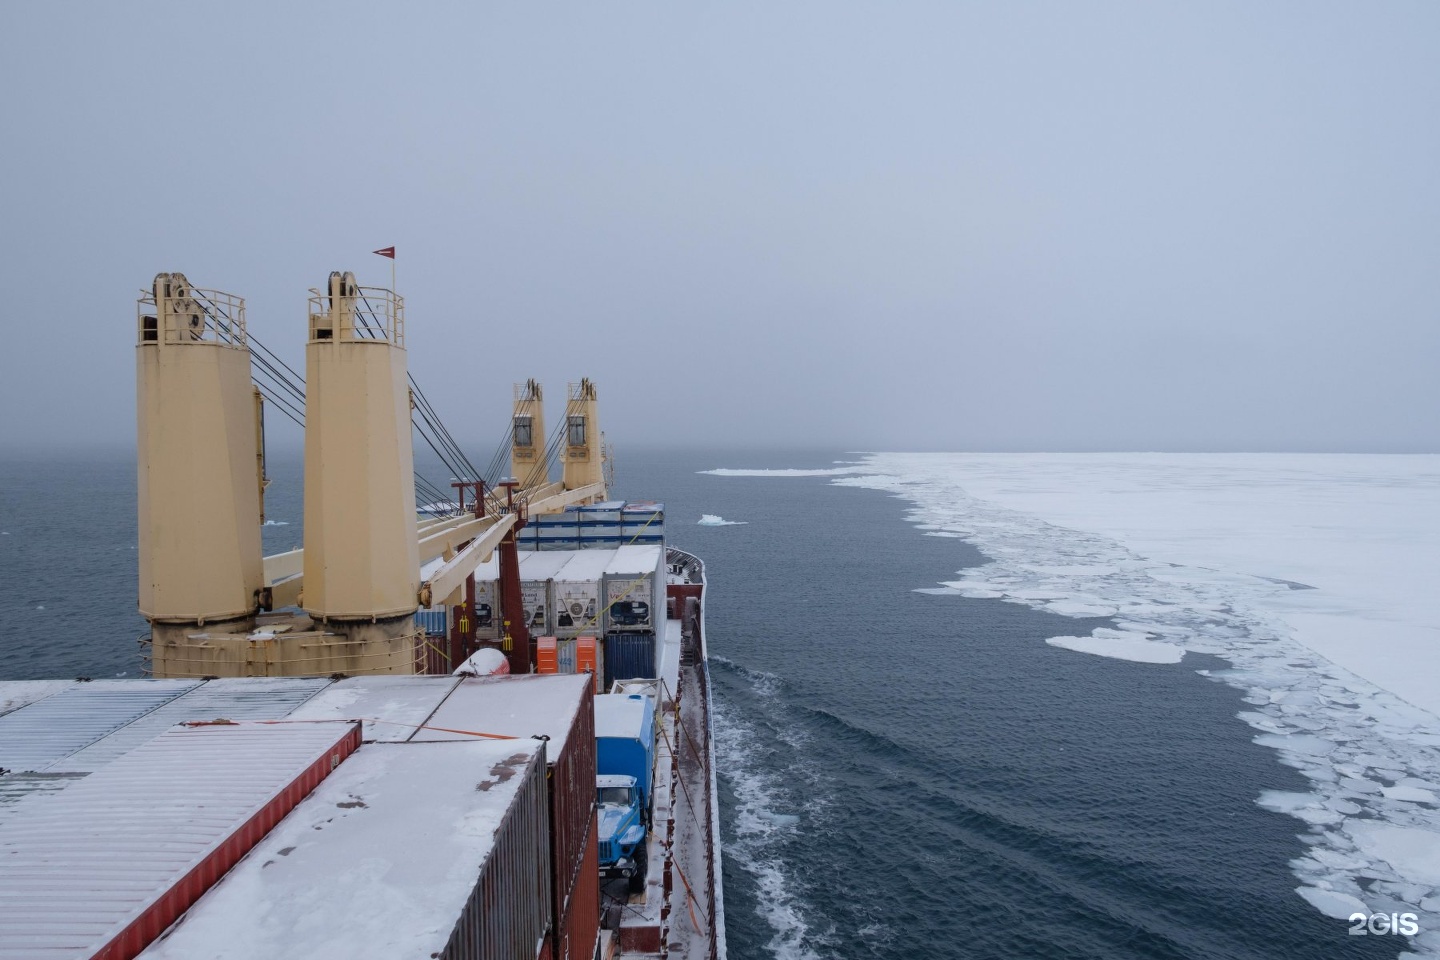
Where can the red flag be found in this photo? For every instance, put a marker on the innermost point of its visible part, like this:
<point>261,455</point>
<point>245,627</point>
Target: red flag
<point>386,252</point>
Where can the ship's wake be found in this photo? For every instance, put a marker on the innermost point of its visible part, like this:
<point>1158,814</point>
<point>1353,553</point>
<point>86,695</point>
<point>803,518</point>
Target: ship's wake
<point>767,816</point>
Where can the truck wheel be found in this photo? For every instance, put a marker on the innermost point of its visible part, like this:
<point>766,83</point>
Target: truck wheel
<point>637,879</point>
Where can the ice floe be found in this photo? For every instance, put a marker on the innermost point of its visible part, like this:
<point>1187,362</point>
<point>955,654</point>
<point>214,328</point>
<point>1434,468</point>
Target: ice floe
<point>821,472</point>
<point>711,520</point>
<point>1310,574</point>
<point>1121,645</point>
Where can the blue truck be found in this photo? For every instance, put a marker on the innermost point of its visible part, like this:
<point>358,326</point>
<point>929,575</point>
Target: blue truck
<point>624,767</point>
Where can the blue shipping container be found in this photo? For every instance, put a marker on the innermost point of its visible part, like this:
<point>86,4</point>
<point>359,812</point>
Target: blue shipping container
<point>629,655</point>
<point>432,622</point>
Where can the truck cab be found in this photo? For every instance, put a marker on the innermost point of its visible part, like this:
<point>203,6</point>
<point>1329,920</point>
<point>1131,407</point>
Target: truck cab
<point>620,821</point>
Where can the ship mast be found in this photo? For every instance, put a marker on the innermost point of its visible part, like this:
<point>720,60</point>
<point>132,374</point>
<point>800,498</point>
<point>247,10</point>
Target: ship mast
<point>199,473</point>
<point>204,585</point>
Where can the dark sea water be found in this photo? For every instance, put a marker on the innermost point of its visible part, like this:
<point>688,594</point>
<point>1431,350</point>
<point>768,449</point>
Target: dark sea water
<point>901,774</point>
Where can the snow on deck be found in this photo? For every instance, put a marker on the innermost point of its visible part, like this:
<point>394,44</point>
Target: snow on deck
<point>378,862</point>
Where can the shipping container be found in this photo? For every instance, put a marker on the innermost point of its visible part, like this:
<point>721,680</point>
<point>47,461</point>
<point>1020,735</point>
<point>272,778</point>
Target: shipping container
<point>487,607</point>
<point>15,694</point>
<point>433,621</point>
<point>392,707</point>
<point>230,698</point>
<point>600,524</point>
<point>577,607</point>
<point>128,849</point>
<point>561,708</point>
<point>634,589</point>
<point>40,734</point>
<point>563,656</point>
<point>643,522</point>
<point>537,573</point>
<point>579,926</point>
<point>547,659</point>
<point>590,658</point>
<point>576,593</point>
<point>555,531</point>
<point>487,603</point>
<point>454,866</point>
<point>628,655</point>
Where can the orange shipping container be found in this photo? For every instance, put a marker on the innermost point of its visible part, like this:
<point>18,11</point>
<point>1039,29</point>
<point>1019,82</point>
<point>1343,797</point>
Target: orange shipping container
<point>547,660</point>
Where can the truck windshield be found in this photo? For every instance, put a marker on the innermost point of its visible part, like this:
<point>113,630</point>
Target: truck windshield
<point>620,795</point>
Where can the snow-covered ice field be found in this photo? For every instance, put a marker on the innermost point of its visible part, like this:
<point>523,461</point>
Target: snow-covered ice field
<point>1313,575</point>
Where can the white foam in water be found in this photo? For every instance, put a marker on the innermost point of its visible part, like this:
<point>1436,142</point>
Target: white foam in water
<point>1311,574</point>
<point>277,523</point>
<point>758,826</point>
<point>711,520</point>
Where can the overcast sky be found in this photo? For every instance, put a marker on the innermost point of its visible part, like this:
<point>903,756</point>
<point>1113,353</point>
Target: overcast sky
<point>948,225</point>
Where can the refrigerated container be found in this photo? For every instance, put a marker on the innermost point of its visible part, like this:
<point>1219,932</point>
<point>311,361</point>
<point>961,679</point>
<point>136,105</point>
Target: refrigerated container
<point>642,522</point>
<point>576,593</point>
<point>600,524</point>
<point>555,531</point>
<point>537,571</point>
<point>635,589</point>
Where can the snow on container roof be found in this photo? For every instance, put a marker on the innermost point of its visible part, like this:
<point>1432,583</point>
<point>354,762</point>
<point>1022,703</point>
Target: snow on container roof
<point>585,566</point>
<point>15,694</point>
<point>634,558</point>
<point>45,732</point>
<point>112,860</point>
<point>517,706</point>
<point>380,861</point>
<point>392,707</point>
<point>543,564</point>
<point>622,715</point>
<point>16,786</point>
<point>607,506</point>
<point>235,698</point>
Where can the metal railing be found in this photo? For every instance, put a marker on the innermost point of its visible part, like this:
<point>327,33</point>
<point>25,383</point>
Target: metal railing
<point>377,314</point>
<point>193,315</point>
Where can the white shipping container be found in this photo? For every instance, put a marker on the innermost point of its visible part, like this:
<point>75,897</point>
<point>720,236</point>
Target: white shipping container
<point>487,609</point>
<point>577,607</point>
<point>635,588</point>
<point>537,570</point>
<point>576,593</point>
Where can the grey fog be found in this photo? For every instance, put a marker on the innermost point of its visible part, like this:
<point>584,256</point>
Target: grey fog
<point>958,226</point>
